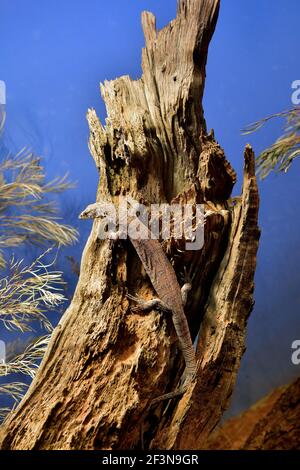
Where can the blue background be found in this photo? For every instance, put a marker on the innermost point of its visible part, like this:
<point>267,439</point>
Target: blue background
<point>55,53</point>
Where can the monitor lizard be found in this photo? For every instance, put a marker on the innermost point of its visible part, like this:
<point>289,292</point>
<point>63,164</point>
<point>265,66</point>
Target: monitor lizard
<point>171,297</point>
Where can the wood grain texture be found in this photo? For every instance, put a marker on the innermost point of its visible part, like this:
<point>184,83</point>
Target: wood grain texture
<point>105,363</point>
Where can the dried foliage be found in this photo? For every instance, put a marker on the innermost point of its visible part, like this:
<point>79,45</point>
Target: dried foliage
<point>25,213</point>
<point>15,390</point>
<point>28,292</point>
<point>25,363</point>
<point>280,155</point>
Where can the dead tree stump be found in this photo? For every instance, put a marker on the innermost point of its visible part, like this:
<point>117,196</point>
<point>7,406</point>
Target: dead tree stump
<point>105,363</point>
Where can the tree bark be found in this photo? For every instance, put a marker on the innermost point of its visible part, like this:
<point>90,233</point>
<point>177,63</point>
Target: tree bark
<point>105,362</point>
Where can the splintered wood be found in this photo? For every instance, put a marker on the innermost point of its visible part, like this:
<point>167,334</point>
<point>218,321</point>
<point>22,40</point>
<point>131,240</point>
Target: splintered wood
<point>105,363</point>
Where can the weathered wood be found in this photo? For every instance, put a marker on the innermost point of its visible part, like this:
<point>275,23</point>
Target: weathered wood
<point>105,363</point>
<point>222,333</point>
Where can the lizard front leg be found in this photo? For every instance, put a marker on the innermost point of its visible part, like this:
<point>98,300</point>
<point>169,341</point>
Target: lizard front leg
<point>156,303</point>
<point>146,305</point>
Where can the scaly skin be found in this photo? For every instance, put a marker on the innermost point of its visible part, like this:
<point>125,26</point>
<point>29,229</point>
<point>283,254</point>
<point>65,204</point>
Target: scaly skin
<point>164,281</point>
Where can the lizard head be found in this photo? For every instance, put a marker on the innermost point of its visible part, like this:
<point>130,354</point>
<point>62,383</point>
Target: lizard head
<point>91,212</point>
<point>97,211</point>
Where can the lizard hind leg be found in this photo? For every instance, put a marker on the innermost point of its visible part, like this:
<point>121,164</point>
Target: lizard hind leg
<point>187,381</point>
<point>168,396</point>
<point>187,286</point>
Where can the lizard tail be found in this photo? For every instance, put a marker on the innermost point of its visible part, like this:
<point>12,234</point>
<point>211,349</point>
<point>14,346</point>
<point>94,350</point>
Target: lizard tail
<point>190,377</point>
<point>176,393</point>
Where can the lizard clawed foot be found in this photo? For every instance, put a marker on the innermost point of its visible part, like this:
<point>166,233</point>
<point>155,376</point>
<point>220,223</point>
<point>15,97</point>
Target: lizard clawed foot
<point>146,305</point>
<point>140,303</point>
<point>188,275</point>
